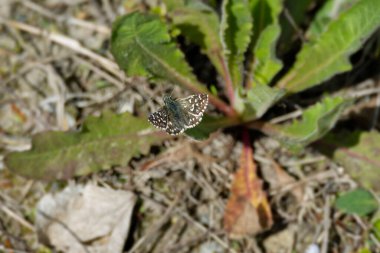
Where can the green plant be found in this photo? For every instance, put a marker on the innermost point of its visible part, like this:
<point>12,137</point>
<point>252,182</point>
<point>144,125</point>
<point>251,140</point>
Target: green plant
<point>359,201</point>
<point>242,51</point>
<point>241,44</point>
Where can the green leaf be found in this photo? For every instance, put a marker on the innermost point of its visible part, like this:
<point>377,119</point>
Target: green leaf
<point>261,17</point>
<point>360,202</point>
<point>329,54</point>
<point>329,12</point>
<point>208,125</point>
<point>173,4</point>
<point>265,64</point>
<point>199,24</point>
<point>258,100</point>
<point>316,122</point>
<point>141,46</point>
<point>364,250</point>
<point>236,29</point>
<point>376,228</point>
<point>103,142</point>
<point>358,152</point>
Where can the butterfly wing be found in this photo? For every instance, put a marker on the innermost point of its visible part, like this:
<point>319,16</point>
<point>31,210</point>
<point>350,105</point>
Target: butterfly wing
<point>162,120</point>
<point>186,114</point>
<point>194,107</point>
<point>194,104</point>
<point>159,119</point>
<point>174,129</point>
<point>192,120</point>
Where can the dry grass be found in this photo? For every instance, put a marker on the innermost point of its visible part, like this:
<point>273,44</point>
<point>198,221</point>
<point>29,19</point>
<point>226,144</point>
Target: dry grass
<point>56,69</point>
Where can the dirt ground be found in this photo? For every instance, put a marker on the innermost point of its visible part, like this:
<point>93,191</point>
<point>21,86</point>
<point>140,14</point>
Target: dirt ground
<point>56,69</point>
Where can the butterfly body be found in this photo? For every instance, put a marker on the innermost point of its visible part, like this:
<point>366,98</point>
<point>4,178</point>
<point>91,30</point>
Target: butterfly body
<point>175,111</point>
<point>177,115</point>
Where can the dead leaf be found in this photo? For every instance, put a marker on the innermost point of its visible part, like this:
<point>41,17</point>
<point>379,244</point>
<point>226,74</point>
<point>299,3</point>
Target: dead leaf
<point>281,242</point>
<point>280,179</point>
<point>247,211</point>
<point>85,219</point>
<point>358,152</point>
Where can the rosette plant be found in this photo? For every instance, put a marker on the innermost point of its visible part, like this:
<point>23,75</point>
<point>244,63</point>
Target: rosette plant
<point>247,43</point>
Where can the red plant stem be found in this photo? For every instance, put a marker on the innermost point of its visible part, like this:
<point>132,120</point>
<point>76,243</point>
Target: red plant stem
<point>222,106</point>
<point>248,160</point>
<point>228,80</point>
<point>217,102</point>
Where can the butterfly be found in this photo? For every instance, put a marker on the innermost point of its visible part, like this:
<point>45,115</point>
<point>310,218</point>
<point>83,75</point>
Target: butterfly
<point>177,115</point>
